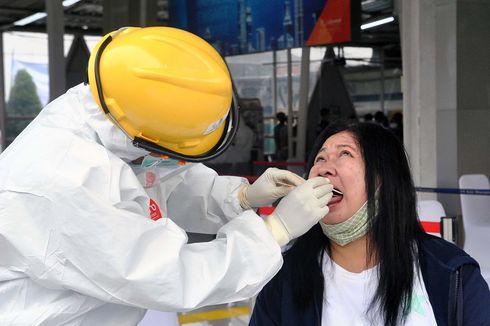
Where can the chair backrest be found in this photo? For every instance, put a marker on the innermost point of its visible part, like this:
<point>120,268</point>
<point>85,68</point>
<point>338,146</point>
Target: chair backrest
<point>430,213</point>
<point>476,221</point>
<point>475,208</point>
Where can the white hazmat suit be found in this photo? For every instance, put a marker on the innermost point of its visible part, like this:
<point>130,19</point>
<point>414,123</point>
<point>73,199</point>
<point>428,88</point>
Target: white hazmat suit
<point>82,243</point>
<point>214,198</point>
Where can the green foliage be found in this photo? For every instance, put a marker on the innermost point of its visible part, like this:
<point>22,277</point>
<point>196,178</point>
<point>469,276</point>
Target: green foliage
<point>23,102</point>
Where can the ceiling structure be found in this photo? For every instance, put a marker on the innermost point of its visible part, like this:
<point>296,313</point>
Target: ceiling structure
<point>87,17</point>
<point>83,17</point>
<point>385,39</point>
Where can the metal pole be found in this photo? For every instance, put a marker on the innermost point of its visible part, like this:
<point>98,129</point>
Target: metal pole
<point>290,104</point>
<point>274,81</point>
<point>56,30</point>
<point>3,110</point>
<point>303,104</point>
<point>382,81</point>
<point>143,17</point>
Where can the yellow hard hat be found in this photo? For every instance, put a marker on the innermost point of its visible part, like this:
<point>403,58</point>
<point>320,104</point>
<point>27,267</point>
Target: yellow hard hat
<point>167,89</point>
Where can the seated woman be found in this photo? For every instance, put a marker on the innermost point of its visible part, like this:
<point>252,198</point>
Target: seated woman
<point>368,261</point>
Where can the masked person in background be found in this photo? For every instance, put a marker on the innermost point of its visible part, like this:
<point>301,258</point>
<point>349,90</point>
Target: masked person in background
<point>368,261</point>
<point>82,242</point>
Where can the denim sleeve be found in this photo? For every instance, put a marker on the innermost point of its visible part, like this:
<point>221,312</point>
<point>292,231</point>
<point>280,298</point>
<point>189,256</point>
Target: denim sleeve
<point>476,298</point>
<point>267,309</point>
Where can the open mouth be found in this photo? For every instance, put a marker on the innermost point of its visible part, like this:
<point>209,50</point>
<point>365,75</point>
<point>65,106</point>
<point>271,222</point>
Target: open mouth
<point>337,192</point>
<point>337,196</point>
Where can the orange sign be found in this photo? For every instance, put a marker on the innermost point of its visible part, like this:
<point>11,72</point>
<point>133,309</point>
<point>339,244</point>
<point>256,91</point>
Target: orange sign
<point>334,24</point>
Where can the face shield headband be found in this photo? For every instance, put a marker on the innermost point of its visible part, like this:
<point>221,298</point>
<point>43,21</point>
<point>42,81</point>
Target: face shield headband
<point>231,122</point>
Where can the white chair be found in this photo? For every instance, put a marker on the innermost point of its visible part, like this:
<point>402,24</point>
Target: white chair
<point>476,221</point>
<point>430,213</point>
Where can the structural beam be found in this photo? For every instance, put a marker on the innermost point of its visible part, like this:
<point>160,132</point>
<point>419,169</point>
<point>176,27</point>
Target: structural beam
<point>304,90</point>
<point>56,29</point>
<point>3,110</point>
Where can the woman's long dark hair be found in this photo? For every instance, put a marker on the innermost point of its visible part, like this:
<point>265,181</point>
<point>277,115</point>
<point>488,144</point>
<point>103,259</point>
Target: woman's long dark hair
<point>394,229</point>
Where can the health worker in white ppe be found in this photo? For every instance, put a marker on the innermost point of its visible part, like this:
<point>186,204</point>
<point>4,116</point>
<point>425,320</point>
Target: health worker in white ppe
<point>84,240</point>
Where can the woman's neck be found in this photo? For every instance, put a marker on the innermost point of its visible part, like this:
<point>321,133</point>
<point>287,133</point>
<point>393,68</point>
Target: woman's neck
<point>353,256</point>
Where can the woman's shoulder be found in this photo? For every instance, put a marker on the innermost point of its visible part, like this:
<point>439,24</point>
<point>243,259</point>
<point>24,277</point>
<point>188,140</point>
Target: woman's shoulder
<point>282,279</point>
<point>448,255</point>
<point>440,262</point>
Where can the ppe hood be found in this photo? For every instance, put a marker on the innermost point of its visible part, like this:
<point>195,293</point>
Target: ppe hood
<point>110,136</point>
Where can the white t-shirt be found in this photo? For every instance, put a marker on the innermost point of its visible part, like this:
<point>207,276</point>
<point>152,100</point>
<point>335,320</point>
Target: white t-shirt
<point>347,297</point>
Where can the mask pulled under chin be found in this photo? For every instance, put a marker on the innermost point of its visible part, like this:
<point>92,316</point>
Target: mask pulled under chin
<point>349,230</point>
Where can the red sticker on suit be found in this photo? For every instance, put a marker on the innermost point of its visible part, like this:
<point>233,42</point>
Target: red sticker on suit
<point>155,213</point>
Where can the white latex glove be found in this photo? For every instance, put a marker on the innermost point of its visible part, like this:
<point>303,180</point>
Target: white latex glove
<point>271,185</point>
<point>300,210</point>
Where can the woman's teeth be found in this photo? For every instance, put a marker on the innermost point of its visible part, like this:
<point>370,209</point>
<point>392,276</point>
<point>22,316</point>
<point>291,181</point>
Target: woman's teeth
<point>337,192</point>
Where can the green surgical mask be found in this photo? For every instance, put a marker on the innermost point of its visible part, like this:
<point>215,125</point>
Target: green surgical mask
<point>349,230</point>
<point>150,161</point>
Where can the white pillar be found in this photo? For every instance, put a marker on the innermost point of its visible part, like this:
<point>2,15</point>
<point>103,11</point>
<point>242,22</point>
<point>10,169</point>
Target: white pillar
<point>446,86</point>
<point>419,107</point>
<point>448,151</point>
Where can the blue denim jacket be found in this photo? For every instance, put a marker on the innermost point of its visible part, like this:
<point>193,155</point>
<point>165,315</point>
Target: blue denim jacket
<point>457,292</point>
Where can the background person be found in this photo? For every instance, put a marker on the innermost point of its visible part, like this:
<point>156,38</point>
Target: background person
<point>281,137</point>
<point>368,262</point>
<point>82,242</point>
<point>381,119</point>
<point>323,123</point>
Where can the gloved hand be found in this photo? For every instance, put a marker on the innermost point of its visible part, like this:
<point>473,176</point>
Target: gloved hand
<point>271,185</point>
<point>300,210</point>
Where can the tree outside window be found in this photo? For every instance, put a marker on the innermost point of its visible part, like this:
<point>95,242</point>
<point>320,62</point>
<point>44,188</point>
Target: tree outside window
<point>23,105</point>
